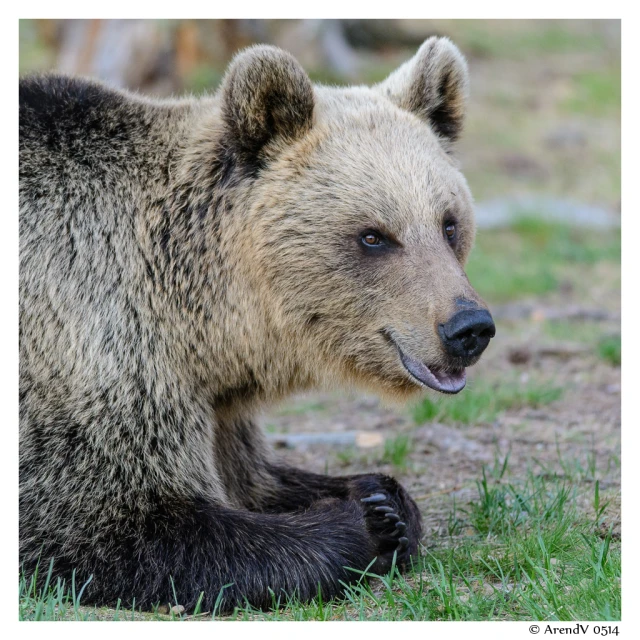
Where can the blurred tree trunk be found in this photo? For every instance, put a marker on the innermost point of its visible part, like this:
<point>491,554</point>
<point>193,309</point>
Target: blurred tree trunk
<point>137,54</point>
<point>167,56</point>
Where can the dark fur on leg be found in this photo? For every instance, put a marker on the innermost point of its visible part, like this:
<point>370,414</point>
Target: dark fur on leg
<point>393,519</point>
<point>203,547</point>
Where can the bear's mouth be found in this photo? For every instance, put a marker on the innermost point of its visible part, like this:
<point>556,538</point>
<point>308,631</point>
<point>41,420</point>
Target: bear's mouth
<point>434,378</point>
<point>431,376</point>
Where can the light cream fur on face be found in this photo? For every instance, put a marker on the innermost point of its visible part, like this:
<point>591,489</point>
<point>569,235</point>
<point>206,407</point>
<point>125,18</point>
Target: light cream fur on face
<point>367,163</point>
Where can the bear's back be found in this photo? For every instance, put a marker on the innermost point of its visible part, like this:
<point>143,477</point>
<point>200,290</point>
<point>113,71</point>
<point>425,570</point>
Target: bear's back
<point>83,163</point>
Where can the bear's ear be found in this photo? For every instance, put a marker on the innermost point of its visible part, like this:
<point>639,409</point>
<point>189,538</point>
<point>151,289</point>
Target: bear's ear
<point>433,85</point>
<point>265,95</point>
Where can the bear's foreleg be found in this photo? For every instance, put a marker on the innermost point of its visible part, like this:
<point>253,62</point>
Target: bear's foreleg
<point>233,556</point>
<point>391,515</point>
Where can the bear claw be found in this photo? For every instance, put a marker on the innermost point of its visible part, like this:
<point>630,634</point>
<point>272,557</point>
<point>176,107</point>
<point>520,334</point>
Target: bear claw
<point>388,524</point>
<point>384,509</point>
<point>374,497</point>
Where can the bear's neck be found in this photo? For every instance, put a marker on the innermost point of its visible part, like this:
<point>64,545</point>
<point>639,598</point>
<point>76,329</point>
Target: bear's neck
<point>225,340</point>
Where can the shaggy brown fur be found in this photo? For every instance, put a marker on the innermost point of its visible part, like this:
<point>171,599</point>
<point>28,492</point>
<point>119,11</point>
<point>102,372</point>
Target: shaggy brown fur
<point>182,263</point>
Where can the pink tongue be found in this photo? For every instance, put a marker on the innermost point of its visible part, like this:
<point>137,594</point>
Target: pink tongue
<point>440,381</point>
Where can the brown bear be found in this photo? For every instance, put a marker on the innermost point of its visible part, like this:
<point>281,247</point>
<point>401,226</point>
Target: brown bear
<point>185,262</point>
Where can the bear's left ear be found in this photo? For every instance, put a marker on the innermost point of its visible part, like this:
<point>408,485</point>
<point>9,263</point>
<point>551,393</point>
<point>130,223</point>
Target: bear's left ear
<point>433,85</point>
<point>265,95</point>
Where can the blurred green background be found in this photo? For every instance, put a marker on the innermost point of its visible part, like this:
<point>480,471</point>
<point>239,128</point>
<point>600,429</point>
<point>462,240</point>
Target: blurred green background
<point>544,115</point>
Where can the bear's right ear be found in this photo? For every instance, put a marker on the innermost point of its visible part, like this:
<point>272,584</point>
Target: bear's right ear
<point>433,85</point>
<point>265,95</point>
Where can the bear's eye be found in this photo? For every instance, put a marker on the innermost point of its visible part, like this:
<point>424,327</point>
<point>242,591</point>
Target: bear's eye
<point>450,230</point>
<point>375,242</point>
<point>371,239</point>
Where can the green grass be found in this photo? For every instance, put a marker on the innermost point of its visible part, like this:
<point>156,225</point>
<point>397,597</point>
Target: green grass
<point>52,602</point>
<point>35,55</point>
<point>346,456</point>
<point>530,257</point>
<point>564,243</point>
<point>595,93</point>
<point>57,600</point>
<point>521,549</point>
<point>396,451</point>
<point>607,346</point>
<point>203,79</point>
<point>523,40</point>
<point>610,350</point>
<point>540,556</point>
<point>483,401</point>
<point>370,73</point>
<point>581,331</point>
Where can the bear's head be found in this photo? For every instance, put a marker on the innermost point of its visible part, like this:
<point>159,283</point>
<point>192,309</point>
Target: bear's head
<point>358,221</point>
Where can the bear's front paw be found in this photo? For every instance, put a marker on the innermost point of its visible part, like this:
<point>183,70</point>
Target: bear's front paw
<point>391,517</point>
<point>385,522</point>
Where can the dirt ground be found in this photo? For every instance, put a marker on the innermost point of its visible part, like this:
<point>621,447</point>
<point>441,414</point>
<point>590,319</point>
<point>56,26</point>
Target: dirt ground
<point>577,435</point>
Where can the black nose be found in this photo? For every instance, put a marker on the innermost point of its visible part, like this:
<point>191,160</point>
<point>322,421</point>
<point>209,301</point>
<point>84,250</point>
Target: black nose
<point>467,333</point>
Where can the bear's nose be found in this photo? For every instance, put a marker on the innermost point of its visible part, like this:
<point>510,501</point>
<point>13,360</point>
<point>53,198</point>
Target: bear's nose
<point>467,333</point>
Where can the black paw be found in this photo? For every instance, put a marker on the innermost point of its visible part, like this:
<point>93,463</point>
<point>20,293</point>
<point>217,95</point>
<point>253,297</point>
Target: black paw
<point>378,507</point>
<point>391,517</point>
